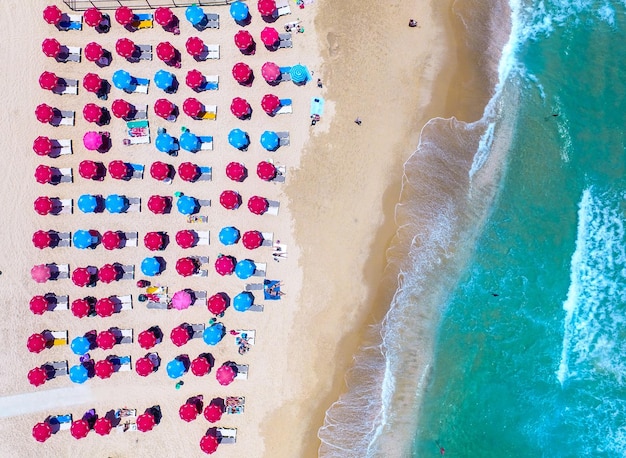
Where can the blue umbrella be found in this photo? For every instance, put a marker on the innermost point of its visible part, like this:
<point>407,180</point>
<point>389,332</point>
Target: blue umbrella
<point>229,235</point>
<point>245,269</point>
<point>164,79</point>
<point>80,345</point>
<point>151,266</point>
<point>269,140</point>
<point>82,239</point>
<point>79,374</point>
<point>243,301</point>
<point>299,73</point>
<point>176,368</point>
<point>189,142</point>
<point>187,205</point>
<point>213,334</point>
<point>165,142</point>
<point>194,14</point>
<point>238,138</point>
<point>122,79</point>
<point>87,203</point>
<point>239,11</point>
<point>115,203</point>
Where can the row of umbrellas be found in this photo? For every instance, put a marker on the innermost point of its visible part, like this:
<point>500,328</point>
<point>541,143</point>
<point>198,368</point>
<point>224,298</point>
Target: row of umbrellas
<point>271,72</point>
<point>188,266</point>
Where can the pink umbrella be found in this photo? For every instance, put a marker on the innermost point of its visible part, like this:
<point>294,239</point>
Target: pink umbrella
<point>225,375</point>
<point>92,17</point>
<point>125,47</point>
<point>266,171</point>
<point>51,47</point>
<point>270,103</point>
<point>200,366</point>
<point>225,265</point>
<point>266,7</point>
<point>119,170</point>
<point>236,171</point>
<point>102,426</point>
<point>145,422</point>
<point>179,335</point>
<point>92,82</point>
<point>124,15</point>
<point>111,240</point>
<point>186,238</point>
<point>240,107</point>
<point>146,339</point>
<point>38,305</point>
<point>269,36</point>
<point>92,140</point>
<point>217,303</point>
<point>144,367</point>
<point>48,81</point>
<point>37,376</point>
<point>40,273</point>
<point>106,339</point>
<point>90,170</point>
<point>108,273</point>
<point>36,343</point>
<point>258,205</point>
<point>188,412</point>
<point>181,300</point>
<point>194,79</point>
<point>194,46</point>
<point>252,239</point>
<point>270,72</point>
<point>52,14</point>
<point>43,174</point>
<point>80,308</point>
<point>42,146</point>
<point>44,113</point>
<point>213,413</point>
<point>93,51</point>
<point>193,107</point>
<point>104,369</point>
<point>42,239</point>
<point>42,431</point>
<point>81,276</point>
<point>92,113</point>
<point>154,241</point>
<point>209,444</point>
<point>158,204</point>
<point>121,108</point>
<point>186,267</point>
<point>166,51</point>
<point>243,40</point>
<point>44,205</point>
<point>164,108</point>
<point>163,16</point>
<point>230,200</point>
<point>242,72</point>
<point>105,306</point>
<point>160,170</point>
<point>188,171</point>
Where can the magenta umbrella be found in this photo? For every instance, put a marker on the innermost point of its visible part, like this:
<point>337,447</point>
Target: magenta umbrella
<point>225,374</point>
<point>42,146</point>
<point>269,36</point>
<point>236,171</point>
<point>93,51</point>
<point>193,107</point>
<point>242,72</point>
<point>52,14</point>
<point>270,103</point>
<point>243,40</point>
<point>194,46</point>
<point>44,113</point>
<point>266,171</point>
<point>48,81</point>
<point>125,47</point>
<point>240,107</point>
<point>92,82</point>
<point>92,140</point>
<point>258,205</point>
<point>270,72</point>
<point>92,113</point>
<point>194,79</point>
<point>51,47</point>
<point>266,7</point>
<point>40,273</point>
<point>43,174</point>
<point>181,300</point>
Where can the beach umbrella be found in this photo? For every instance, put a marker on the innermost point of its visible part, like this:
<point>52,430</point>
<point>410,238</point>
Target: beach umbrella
<point>105,306</point>
<point>229,235</point>
<point>188,412</point>
<point>194,46</point>
<point>236,171</point>
<point>125,47</point>
<point>52,14</point>
<point>270,140</point>
<point>165,142</point>
<point>179,335</point>
<point>186,267</point>
<point>42,431</point>
<point>186,238</point>
<point>252,239</point>
<point>44,205</point>
<point>43,174</point>
<point>42,239</point>
<point>165,51</point>
<point>106,339</point>
<point>217,304</point>
<point>189,142</point>
<point>266,171</point>
<point>245,269</point>
<point>194,79</point>
<point>80,344</point>
<point>213,334</point>
<point>119,170</point>
<point>240,107</point>
<point>93,51</point>
<point>40,273</point>
<point>175,368</point>
<point>111,240</point>
<point>163,108</point>
<point>92,82</point>
<point>154,241</point>
<point>121,79</point>
<point>147,339</point>
<point>83,239</point>
<point>187,205</point>
<point>150,266</point>
<point>37,376</point>
<point>163,16</point>
<point>193,107</point>
<point>200,366</point>
<point>121,108</point>
<point>81,276</point>
<point>270,103</point>
<point>225,374</point>
<point>80,309</point>
<point>92,112</point>
<point>258,205</point>
<point>79,429</point>
<point>87,203</point>
<point>102,426</point>
<point>243,39</point>
<point>213,413</point>
<point>181,300</point>
<point>237,138</point>
<point>115,203</point>
<point>144,367</point>
<point>299,73</point>
<point>38,305</point>
<point>145,422</point>
<point>42,146</point>
<point>269,36</point>
<point>188,171</point>
<point>241,72</point>
<point>230,200</point>
<point>158,204</point>
<point>92,17</point>
<point>92,140</point>
<point>208,444</point>
<point>243,301</point>
<point>108,273</point>
<point>239,11</point>
<point>90,170</point>
<point>48,81</point>
<point>36,343</point>
<point>44,113</point>
<point>163,79</point>
<point>51,47</point>
<point>79,374</point>
<point>124,15</point>
<point>266,7</point>
<point>104,368</point>
<point>194,14</point>
<point>225,265</point>
<point>160,170</point>
<point>270,72</point>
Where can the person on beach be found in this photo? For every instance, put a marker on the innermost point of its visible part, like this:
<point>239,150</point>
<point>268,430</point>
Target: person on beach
<point>358,121</point>
<point>412,23</point>
<point>319,83</point>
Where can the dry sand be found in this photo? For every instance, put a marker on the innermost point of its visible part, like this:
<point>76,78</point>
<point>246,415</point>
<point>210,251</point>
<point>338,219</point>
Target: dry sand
<point>336,217</point>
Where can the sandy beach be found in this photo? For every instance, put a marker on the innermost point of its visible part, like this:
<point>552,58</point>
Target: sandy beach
<point>336,218</point>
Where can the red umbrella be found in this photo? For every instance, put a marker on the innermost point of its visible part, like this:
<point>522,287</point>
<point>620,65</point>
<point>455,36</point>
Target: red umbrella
<point>158,204</point>
<point>236,171</point>
<point>48,81</point>
<point>102,426</point>
<point>145,422</point>
<point>225,265</point>
<point>252,239</point>
<point>258,205</point>
<point>43,174</point>
<point>269,36</point>
<point>194,46</point>
<point>92,82</point>
<point>186,238</point>
<point>92,113</point>
<point>208,444</point>
<point>160,170</point>
<point>79,429</point>
<point>266,171</point>
<point>146,339</point>
<point>164,108</point>
<point>194,79</point>
<point>144,367</point>
<point>165,51</point>
<point>105,307</point>
<point>193,107</point>
<point>188,412</point>
<point>42,146</point>
<point>43,205</point>
<point>44,113</point>
<point>42,431</point>
<point>266,7</point>
<point>42,239</point>
<point>125,47</point>
<point>200,366</point>
<point>104,368</point>
<point>163,16</point>
<point>186,267</point>
<point>179,336</point>
<point>240,107</point>
<point>51,47</point>
<point>52,14</point>
<point>121,108</point>
<point>270,103</point>
<point>213,413</point>
<point>217,303</point>
<point>40,273</point>
<point>105,339</point>
<point>89,169</point>
<point>93,51</point>
<point>36,343</point>
<point>118,170</point>
<point>108,273</point>
<point>188,171</point>
<point>37,376</point>
<point>80,308</point>
<point>38,305</point>
<point>242,72</point>
<point>230,200</point>
<point>243,39</point>
<point>124,15</point>
<point>270,71</point>
<point>225,374</point>
<point>111,240</point>
<point>92,17</point>
<point>154,241</point>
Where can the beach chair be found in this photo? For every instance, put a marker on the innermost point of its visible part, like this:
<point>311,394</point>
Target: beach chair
<point>67,118</point>
<point>273,207</point>
<point>210,112</point>
<point>213,51</point>
<point>131,238</point>
<point>213,21</point>
<point>204,202</point>
<point>254,286</point>
<point>200,298</point>
<point>285,107</point>
<point>162,304</point>
<point>284,74</point>
<point>212,82</point>
<point>126,302</point>
<point>60,338</point>
<point>145,52</point>
<point>260,269</point>
<point>62,303</point>
<point>268,238</point>
<point>64,147</point>
<point>143,21</point>
<point>282,8</point>
<point>68,86</point>
<point>129,272</point>
<point>138,170</point>
<point>206,143</point>
<point>73,54</point>
<point>285,40</point>
<point>317,106</point>
<point>255,308</point>
<point>242,372</point>
<point>66,175</point>
<point>67,206</point>
<point>284,138</point>
<point>281,174</point>
<point>227,435</point>
<point>64,271</point>
<point>235,405</point>
<point>142,85</point>
<point>65,239</point>
<point>197,330</point>
<point>206,173</point>
<point>203,237</point>
<point>134,205</point>
<point>71,22</point>
<point>59,367</point>
<point>127,336</point>
<point>126,426</point>
<point>124,364</point>
<point>62,422</point>
<point>141,112</point>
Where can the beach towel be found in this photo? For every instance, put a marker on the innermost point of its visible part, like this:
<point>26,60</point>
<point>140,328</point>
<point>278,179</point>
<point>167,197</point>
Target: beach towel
<point>271,290</point>
<point>317,106</point>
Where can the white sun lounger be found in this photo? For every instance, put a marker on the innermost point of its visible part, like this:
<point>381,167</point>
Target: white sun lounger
<point>141,112</point>
<point>142,86</point>
<point>255,308</point>
<point>200,298</point>
<point>213,21</point>
<point>206,174</point>
<point>227,435</point>
<point>259,269</point>
<point>64,271</point>
<point>163,303</point>
<point>212,82</point>
<point>242,372</point>
<point>268,238</point>
<point>134,205</point>
<point>131,238</point>
<point>60,337</point>
<point>60,367</point>
<point>254,286</point>
<point>138,170</point>
<point>284,138</point>
<point>76,21</point>
<point>145,52</point>
<point>285,40</point>
<point>64,421</point>
<point>210,112</point>
<point>67,118</point>
<point>127,336</point>
<point>63,303</point>
<point>137,140</point>
<point>70,87</point>
<point>65,147</point>
<point>285,107</point>
<point>129,272</point>
<point>203,237</point>
<point>282,8</point>
<point>206,143</point>
<point>126,302</point>
<point>65,239</point>
<point>73,54</point>
<point>67,206</point>
<point>125,365</point>
<point>273,207</point>
<point>66,175</point>
<point>197,329</point>
<point>213,51</point>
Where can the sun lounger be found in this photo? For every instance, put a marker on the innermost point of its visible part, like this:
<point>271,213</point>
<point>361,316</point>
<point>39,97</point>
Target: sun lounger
<point>66,119</point>
<point>284,73</point>
<point>59,367</point>
<point>73,54</point>
<point>125,364</point>
<point>138,170</point>
<point>134,205</point>
<point>137,140</point>
<point>285,107</point>
<point>66,175</point>
<point>62,303</point>
<point>242,372</point>
<point>206,143</point>
<point>127,336</point>
<point>213,51</point>
<point>284,138</point>
<point>126,413</point>
<point>73,22</point>
<point>273,207</point>
<point>227,435</point>
<point>65,147</point>
<point>285,40</point>
<point>213,21</point>
<point>204,202</point>
<point>200,298</point>
<point>126,302</point>
<point>282,8</point>
<point>268,238</point>
<point>203,237</point>
<point>64,422</point>
<point>67,86</point>
<point>145,52</point>
<point>144,21</point>
<point>60,338</point>
<point>131,238</point>
<point>210,112</point>
<point>254,286</point>
<point>142,85</point>
<point>206,173</point>
<point>255,308</point>
<point>212,82</point>
<point>197,330</point>
<point>260,268</point>
<point>129,272</point>
<point>163,303</point>
<point>67,206</point>
<point>65,239</point>
<point>235,404</point>
<point>63,271</point>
